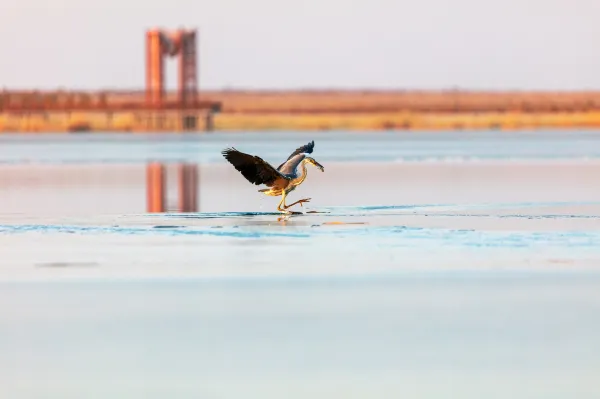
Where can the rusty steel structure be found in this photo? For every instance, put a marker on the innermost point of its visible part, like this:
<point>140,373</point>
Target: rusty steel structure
<point>19,102</point>
<point>181,44</point>
<point>159,45</point>
<point>152,106</point>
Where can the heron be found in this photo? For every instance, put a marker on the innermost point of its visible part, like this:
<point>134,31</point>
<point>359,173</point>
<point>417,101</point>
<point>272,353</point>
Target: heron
<point>281,180</point>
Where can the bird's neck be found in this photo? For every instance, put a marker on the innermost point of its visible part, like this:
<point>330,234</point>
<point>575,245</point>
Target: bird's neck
<point>302,175</point>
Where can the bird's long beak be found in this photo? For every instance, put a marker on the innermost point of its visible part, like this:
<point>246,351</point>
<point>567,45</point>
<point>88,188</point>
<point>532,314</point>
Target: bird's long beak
<point>318,165</point>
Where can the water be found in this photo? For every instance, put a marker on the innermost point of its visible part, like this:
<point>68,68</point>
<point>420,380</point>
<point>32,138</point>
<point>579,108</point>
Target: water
<point>330,146</point>
<point>436,264</point>
<point>474,335</point>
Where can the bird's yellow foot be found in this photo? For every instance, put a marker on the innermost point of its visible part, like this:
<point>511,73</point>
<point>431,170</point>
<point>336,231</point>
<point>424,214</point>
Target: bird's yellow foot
<point>302,201</point>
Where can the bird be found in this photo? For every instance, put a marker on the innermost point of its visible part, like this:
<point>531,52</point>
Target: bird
<point>281,180</point>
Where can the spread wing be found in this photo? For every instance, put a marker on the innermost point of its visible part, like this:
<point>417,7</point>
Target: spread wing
<point>253,168</point>
<point>305,149</point>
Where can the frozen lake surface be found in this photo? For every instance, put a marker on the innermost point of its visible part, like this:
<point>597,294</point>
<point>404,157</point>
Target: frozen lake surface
<point>331,146</point>
<point>434,265</point>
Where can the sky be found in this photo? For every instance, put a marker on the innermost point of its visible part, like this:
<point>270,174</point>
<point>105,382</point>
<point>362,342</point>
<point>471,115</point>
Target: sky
<point>279,44</point>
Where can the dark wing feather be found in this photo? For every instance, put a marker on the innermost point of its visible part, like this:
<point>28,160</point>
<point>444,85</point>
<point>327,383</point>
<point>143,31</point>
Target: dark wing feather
<point>253,168</point>
<point>305,149</point>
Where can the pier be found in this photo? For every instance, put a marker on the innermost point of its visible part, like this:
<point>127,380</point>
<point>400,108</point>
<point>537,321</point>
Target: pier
<point>154,110</point>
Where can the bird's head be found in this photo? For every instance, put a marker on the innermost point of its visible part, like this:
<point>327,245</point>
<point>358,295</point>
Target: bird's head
<point>315,163</point>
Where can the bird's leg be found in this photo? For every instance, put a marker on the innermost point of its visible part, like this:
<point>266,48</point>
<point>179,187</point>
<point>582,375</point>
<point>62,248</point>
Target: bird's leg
<point>297,202</point>
<point>279,208</point>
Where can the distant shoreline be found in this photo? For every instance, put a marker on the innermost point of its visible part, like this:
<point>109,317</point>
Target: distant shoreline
<point>314,110</point>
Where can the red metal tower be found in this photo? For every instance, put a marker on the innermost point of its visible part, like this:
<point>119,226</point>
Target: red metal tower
<point>161,44</point>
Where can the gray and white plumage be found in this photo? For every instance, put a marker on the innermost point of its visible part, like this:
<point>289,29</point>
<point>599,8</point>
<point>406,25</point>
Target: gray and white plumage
<point>290,166</point>
<point>300,151</point>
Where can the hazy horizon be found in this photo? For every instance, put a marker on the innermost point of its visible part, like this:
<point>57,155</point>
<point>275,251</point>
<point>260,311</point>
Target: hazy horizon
<point>270,45</point>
